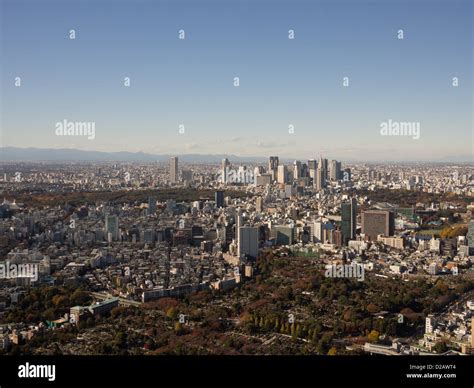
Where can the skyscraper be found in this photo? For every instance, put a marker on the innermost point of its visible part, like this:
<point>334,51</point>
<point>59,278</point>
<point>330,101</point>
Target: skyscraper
<point>320,179</point>
<point>335,170</point>
<point>312,164</point>
<point>304,171</point>
<point>151,206</point>
<point>375,222</point>
<point>470,237</point>
<point>174,169</point>
<point>348,220</point>
<point>323,165</point>
<point>225,165</point>
<point>111,227</point>
<point>248,241</point>
<point>297,169</point>
<point>219,198</point>
<point>186,176</point>
<point>273,166</point>
<point>282,173</point>
<point>238,224</point>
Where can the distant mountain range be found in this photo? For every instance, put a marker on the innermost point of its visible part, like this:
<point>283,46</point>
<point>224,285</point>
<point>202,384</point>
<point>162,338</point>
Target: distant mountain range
<point>64,154</point>
<point>16,154</point>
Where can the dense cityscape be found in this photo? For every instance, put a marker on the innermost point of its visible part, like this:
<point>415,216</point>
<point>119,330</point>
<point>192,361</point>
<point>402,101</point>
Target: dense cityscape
<point>283,257</point>
<point>241,190</point>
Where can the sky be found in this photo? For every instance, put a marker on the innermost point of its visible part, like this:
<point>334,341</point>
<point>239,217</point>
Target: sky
<point>283,82</point>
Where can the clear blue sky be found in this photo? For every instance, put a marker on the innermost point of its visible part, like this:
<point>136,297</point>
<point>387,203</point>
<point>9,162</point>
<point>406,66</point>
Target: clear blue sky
<point>283,81</point>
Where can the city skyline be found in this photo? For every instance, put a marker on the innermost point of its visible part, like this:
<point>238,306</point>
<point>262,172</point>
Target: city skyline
<point>191,180</point>
<point>138,236</point>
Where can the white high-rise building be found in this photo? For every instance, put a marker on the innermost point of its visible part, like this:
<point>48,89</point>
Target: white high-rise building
<point>320,181</point>
<point>174,169</point>
<point>282,173</point>
<point>297,169</point>
<point>429,324</point>
<point>225,165</point>
<point>238,224</point>
<point>318,231</point>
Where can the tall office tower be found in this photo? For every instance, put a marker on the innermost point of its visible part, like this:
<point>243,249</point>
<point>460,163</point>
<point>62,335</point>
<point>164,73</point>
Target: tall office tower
<point>375,222</point>
<point>339,170</point>
<point>174,169</point>
<point>187,176</point>
<point>297,169</point>
<point>348,220</point>
<point>219,197</point>
<point>312,164</point>
<point>151,206</point>
<point>335,170</point>
<point>111,227</point>
<point>259,204</point>
<point>282,173</point>
<point>248,242</point>
<point>304,171</point>
<point>238,224</point>
<point>320,181</point>
<point>225,166</point>
<point>470,237</point>
<point>323,164</point>
<point>273,166</point>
